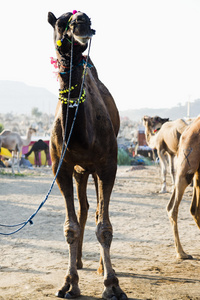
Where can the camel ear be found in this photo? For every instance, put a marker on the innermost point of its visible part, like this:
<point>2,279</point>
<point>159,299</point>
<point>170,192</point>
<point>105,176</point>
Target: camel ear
<point>52,19</point>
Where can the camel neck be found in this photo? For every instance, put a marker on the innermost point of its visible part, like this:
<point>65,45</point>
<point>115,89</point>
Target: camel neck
<point>76,78</point>
<point>149,137</point>
<point>27,141</point>
<point>74,88</point>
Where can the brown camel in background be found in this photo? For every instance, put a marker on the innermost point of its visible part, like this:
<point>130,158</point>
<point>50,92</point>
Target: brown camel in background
<point>187,167</point>
<point>14,143</point>
<point>92,149</point>
<point>165,140</point>
<point>37,147</point>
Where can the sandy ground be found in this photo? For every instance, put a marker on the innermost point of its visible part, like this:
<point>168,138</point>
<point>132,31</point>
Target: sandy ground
<point>33,262</point>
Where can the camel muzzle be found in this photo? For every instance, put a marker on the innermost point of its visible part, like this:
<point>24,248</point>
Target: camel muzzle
<point>80,27</point>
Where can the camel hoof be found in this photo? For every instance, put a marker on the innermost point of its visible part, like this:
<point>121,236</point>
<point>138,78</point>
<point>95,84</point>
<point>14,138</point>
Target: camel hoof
<point>162,192</point>
<point>60,294</point>
<point>71,295</point>
<point>110,297</point>
<point>184,256</point>
<point>68,295</point>
<point>123,296</point>
<point>113,298</point>
<point>114,293</point>
<point>190,257</point>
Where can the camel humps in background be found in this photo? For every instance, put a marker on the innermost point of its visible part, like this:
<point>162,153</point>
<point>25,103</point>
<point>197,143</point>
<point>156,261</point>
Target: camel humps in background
<point>92,149</point>
<point>165,140</point>
<point>37,147</point>
<point>187,167</point>
<point>14,143</point>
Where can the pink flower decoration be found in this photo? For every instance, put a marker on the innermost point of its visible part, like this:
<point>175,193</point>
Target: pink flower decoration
<point>74,12</point>
<point>54,62</point>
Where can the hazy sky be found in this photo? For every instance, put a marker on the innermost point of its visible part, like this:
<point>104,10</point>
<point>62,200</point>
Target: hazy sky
<point>147,52</point>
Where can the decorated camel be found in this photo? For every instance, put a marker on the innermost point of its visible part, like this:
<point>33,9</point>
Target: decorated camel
<point>14,143</point>
<point>37,147</point>
<point>92,148</point>
<point>164,139</point>
<point>187,167</point>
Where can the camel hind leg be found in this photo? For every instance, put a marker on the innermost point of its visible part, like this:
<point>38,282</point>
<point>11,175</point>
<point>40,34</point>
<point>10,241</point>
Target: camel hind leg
<point>37,162</point>
<point>195,206</point>
<point>172,209</point>
<point>81,179</point>
<point>106,176</point>
<point>163,165</point>
<point>100,268</point>
<point>172,171</point>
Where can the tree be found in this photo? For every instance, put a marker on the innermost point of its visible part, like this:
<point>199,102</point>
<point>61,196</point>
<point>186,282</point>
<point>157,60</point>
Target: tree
<point>35,112</point>
<point>1,127</point>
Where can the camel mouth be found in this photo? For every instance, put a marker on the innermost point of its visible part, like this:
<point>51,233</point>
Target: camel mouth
<point>82,39</point>
<point>83,35</point>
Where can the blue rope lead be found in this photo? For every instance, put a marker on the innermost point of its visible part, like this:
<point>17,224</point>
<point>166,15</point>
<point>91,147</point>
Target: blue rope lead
<point>29,220</point>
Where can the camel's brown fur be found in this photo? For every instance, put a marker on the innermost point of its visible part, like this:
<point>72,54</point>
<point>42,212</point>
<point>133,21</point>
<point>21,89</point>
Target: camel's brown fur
<point>188,166</point>
<point>92,150</point>
<point>166,140</point>
<point>13,142</point>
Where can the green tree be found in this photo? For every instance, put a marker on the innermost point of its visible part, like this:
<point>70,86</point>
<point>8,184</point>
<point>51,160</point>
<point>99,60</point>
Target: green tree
<point>123,158</point>
<point>35,112</point>
<point>1,127</point>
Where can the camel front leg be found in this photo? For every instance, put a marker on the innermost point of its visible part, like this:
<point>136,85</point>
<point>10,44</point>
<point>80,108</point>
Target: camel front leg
<point>81,178</point>
<point>18,161</point>
<point>172,210</point>
<point>70,289</point>
<point>163,165</point>
<point>13,162</point>
<point>104,234</point>
<point>37,162</point>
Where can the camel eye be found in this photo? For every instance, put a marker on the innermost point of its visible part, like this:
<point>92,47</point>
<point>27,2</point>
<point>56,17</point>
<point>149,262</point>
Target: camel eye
<point>61,25</point>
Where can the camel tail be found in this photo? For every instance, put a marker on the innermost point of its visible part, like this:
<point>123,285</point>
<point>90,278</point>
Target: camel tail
<point>195,205</point>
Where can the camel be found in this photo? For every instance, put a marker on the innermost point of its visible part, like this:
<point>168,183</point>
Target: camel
<point>92,149</point>
<point>14,143</point>
<point>164,139</point>
<point>37,147</point>
<point>187,168</point>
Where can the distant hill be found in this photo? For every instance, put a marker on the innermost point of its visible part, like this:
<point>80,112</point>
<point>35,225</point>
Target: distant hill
<point>18,97</point>
<point>172,113</point>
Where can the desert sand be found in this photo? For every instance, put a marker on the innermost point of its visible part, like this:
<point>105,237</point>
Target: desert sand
<point>33,262</point>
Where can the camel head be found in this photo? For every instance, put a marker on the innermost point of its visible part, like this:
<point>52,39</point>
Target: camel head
<point>154,123</point>
<point>31,130</point>
<point>147,122</point>
<point>76,25</point>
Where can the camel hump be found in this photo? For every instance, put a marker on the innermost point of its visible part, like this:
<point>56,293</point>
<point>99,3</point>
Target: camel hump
<point>5,132</point>
<point>107,98</point>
